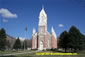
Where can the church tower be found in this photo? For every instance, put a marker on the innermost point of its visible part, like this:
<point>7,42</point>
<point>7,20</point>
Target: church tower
<point>43,20</point>
<point>42,39</point>
<point>42,29</point>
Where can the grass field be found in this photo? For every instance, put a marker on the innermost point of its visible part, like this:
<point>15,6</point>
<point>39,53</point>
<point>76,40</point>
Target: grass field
<point>33,55</point>
<point>12,52</point>
<point>80,54</point>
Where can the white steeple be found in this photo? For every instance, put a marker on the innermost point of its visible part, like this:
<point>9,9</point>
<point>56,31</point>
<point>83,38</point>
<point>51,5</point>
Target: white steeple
<point>53,32</point>
<point>42,17</point>
<point>34,31</point>
<point>42,12</point>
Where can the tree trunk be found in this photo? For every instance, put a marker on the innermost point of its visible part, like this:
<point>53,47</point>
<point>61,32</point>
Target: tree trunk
<point>71,50</point>
<point>74,49</point>
<point>65,50</point>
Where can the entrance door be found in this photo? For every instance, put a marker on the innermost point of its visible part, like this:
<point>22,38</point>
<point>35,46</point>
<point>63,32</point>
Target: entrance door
<point>41,45</point>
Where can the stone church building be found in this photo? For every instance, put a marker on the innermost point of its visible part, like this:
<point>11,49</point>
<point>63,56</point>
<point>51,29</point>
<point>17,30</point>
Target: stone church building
<point>42,39</point>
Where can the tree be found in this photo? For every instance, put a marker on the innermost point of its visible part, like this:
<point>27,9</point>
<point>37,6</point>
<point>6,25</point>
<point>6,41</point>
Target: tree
<point>82,42</point>
<point>8,44</point>
<point>76,38</point>
<point>25,45</point>
<point>17,44</point>
<point>64,40</point>
<point>30,43</point>
<point>2,39</point>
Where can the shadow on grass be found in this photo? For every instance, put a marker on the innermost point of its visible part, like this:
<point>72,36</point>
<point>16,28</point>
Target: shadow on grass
<point>15,56</point>
<point>8,56</point>
<point>48,56</point>
<point>60,51</point>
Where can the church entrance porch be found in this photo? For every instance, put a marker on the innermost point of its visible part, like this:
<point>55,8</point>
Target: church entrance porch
<point>41,45</point>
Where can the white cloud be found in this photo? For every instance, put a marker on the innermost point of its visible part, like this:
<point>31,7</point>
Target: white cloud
<point>5,13</point>
<point>60,25</point>
<point>4,20</point>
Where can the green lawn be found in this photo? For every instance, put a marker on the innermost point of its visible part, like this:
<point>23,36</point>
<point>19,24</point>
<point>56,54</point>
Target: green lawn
<point>33,55</point>
<point>80,54</point>
<point>9,52</point>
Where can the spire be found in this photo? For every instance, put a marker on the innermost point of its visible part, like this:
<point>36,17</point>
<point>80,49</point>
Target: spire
<point>42,6</point>
<point>42,17</point>
<point>42,12</point>
<point>34,31</point>
<point>53,32</point>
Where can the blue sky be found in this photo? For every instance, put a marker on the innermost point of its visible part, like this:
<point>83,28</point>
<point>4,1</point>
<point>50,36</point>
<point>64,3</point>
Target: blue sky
<point>61,14</point>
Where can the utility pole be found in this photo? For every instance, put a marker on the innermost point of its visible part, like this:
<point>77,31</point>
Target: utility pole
<point>25,37</point>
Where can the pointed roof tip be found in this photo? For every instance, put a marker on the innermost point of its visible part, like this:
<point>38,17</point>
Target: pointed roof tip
<point>42,12</point>
<point>34,31</point>
<point>53,32</point>
<point>42,6</point>
<point>52,29</point>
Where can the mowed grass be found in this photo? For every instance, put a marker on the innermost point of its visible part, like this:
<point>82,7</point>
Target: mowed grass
<point>32,55</point>
<point>10,51</point>
<point>80,54</point>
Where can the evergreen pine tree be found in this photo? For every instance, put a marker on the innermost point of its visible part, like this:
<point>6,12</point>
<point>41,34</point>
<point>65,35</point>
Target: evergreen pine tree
<point>2,39</point>
<point>25,44</point>
<point>17,44</point>
<point>76,39</point>
<point>64,40</point>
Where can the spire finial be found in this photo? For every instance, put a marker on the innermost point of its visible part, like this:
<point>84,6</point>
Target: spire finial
<point>53,32</point>
<point>34,31</point>
<point>42,6</point>
<point>52,29</point>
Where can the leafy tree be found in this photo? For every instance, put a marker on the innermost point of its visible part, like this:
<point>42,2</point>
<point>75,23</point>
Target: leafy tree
<point>8,44</point>
<point>2,39</point>
<point>17,44</point>
<point>73,40</point>
<point>64,40</point>
<point>83,42</point>
<point>76,38</point>
<point>25,45</point>
<point>30,43</point>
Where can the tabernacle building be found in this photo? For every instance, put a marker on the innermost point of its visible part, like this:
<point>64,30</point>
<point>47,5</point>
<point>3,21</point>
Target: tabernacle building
<point>42,39</point>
